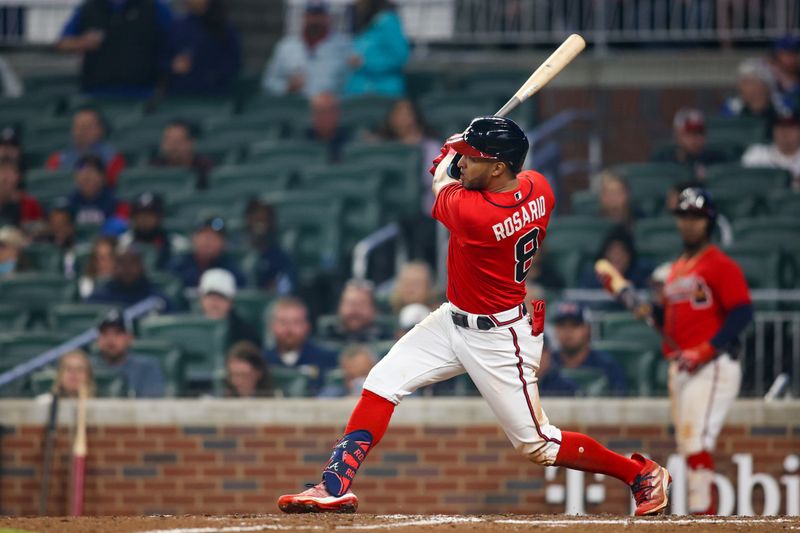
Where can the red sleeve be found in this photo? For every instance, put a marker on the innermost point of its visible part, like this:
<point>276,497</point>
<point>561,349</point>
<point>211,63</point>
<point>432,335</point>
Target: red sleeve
<point>728,283</point>
<point>123,210</point>
<point>30,209</point>
<point>115,166</point>
<point>447,206</point>
<point>53,161</point>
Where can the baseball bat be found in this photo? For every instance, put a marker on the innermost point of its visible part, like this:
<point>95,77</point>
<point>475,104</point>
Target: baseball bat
<point>622,290</point>
<point>79,456</point>
<point>560,58</point>
<point>47,463</point>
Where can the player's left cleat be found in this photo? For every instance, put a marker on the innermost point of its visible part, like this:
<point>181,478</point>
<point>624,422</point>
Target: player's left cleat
<point>318,500</point>
<point>650,487</point>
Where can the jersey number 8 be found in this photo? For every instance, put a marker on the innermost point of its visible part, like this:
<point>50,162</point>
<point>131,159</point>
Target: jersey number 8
<point>524,251</point>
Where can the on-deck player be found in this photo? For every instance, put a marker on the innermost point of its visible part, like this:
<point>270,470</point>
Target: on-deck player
<point>706,306</point>
<point>497,217</point>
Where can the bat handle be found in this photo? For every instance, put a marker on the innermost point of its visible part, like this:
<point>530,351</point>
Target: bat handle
<point>508,107</point>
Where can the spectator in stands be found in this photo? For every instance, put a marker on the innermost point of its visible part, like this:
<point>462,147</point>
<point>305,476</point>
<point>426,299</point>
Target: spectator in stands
<point>325,127</point>
<point>574,333</point>
<point>615,200</point>
<point>208,251</point>
<point>16,206</point>
<point>217,291</point>
<point>551,380</point>
<point>129,283</point>
<point>357,315</point>
<point>410,316</point>
<point>205,51</point>
<point>311,63</point>
<point>92,201</point>
<point>291,346</point>
<point>246,372</point>
<point>786,68</point>
<point>89,132</point>
<point>689,128</point>
<point>405,124</point>
<point>100,266</point>
<point>12,245</point>
<point>274,270</point>
<point>142,374</point>
<point>74,372</point>
<point>11,147</point>
<point>620,250</point>
<point>146,228</point>
<point>355,362</point>
<point>380,51</point>
<point>783,152</point>
<point>754,93</point>
<point>178,151</point>
<point>414,285</point>
<point>123,44</point>
<point>60,232</point>
<point>543,271</point>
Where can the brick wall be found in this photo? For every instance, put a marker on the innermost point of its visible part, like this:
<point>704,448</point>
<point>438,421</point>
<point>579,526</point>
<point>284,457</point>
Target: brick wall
<point>430,468</point>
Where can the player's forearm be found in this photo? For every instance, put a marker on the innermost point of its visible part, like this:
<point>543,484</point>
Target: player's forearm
<point>737,320</point>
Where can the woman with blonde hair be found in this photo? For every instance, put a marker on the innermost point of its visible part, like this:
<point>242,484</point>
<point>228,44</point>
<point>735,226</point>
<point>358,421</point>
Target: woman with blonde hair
<point>74,371</point>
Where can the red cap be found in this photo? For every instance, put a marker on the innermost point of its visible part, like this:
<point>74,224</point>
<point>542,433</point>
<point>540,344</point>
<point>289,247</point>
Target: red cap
<point>690,121</point>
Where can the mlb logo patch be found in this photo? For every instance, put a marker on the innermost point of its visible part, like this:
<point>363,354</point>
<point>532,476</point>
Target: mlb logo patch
<point>518,196</point>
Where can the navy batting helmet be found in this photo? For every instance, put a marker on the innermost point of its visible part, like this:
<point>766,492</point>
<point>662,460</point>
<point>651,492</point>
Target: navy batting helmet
<point>696,200</point>
<point>491,137</point>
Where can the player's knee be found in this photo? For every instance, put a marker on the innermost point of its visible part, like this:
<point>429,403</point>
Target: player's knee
<point>540,453</point>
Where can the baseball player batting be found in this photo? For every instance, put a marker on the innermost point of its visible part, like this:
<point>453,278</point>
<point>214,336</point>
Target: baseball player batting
<point>497,215</point>
<point>706,306</point>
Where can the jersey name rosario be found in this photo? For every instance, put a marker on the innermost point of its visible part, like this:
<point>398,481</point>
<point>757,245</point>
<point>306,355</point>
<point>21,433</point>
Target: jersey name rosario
<point>523,216</point>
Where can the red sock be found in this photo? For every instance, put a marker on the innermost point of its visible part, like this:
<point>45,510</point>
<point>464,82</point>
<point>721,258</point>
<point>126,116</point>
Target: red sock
<point>580,452</point>
<point>700,460</point>
<point>372,413</point>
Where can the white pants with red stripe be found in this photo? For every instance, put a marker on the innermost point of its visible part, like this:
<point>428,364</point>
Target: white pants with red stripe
<point>502,363</point>
<point>700,402</point>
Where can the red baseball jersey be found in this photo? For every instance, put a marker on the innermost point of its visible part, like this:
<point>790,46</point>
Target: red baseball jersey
<point>493,238</point>
<point>698,294</point>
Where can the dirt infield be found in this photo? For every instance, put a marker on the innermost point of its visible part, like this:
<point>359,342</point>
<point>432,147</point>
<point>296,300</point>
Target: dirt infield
<point>398,523</point>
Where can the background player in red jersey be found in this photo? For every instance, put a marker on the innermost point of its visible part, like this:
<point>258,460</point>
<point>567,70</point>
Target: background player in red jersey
<point>497,216</point>
<point>706,307</point>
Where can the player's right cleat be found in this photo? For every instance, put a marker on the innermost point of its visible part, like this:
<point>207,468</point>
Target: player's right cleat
<point>318,500</point>
<point>650,487</point>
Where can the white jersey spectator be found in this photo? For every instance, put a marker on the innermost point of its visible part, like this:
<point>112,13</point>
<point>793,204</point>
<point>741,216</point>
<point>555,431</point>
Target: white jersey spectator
<point>784,152</point>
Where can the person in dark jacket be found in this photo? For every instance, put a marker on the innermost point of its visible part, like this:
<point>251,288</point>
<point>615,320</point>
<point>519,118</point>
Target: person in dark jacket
<point>205,50</point>
<point>208,251</point>
<point>357,315</point>
<point>689,128</point>
<point>177,150</point>
<point>147,228</point>
<point>291,347</point>
<point>123,43</point>
<point>92,201</point>
<point>551,381</point>
<point>129,284</point>
<point>217,291</point>
<point>619,249</point>
<point>274,269</point>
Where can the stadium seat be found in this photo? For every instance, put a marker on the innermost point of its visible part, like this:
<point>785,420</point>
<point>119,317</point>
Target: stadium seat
<point>49,127</point>
<point>18,347</point>
<point>744,228</point>
<point>785,204</point>
<point>201,340</point>
<point>35,292</point>
<point>747,180</point>
<point>171,287</point>
<point>635,357</point>
<point>584,203</point>
<point>290,382</point>
<point>733,204</point>
<point>289,113</point>
<point>762,269</point>
<point>291,157</point>
<point>451,112</point>
<point>46,185</point>
<point>249,179</point>
<point>227,148</point>
<point>732,149</point>
<point>660,229</point>
<point>43,257</point>
<point>251,304</point>
<point>170,359</point>
<point>592,382</point>
<point>582,233</point>
<point>312,237</point>
<point>329,322</point>
<point>567,262</point>
<point>74,319</point>
<point>367,111</point>
<point>169,182</point>
<point>670,172</point>
<point>11,318</point>
<point>743,130</point>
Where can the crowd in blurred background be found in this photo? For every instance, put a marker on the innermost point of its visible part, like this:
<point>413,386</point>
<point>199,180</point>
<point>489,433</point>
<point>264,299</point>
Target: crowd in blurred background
<point>217,203</point>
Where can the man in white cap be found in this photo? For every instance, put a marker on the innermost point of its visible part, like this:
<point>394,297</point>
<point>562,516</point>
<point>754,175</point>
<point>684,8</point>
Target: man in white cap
<point>217,291</point>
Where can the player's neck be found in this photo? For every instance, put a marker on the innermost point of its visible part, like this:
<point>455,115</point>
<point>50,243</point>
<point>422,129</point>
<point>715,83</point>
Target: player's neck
<point>503,184</point>
<point>695,250</point>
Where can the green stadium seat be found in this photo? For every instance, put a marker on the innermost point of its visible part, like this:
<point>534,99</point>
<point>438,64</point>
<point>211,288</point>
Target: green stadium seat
<point>249,179</point>
<point>170,286</point>
<point>196,110</point>
<point>201,340</point>
<point>663,250</point>
<point>450,113</point>
<point>170,359</point>
<point>49,127</point>
<point>743,130</point>
<point>660,378</point>
<point>18,347</point>
<point>733,204</point>
<point>227,148</point>
<point>592,382</point>
<point>46,185</point>
<point>252,304</point>
<point>670,173</point>
<point>48,86</point>
<point>74,319</point>
<point>585,203</point>
<point>290,157</point>
<point>582,233</point>
<point>743,228</point>
<point>637,360</point>
<point>43,257</point>
<point>290,382</point>
<point>732,149</point>
<point>138,145</point>
<point>368,111</point>
<point>567,262</point>
<point>762,269</point>
<point>747,180</point>
<point>662,228</point>
<point>169,182</point>
<point>785,204</point>
<point>289,113</point>
<point>204,204</point>
<point>120,112</point>
<point>34,292</point>
<point>11,318</point>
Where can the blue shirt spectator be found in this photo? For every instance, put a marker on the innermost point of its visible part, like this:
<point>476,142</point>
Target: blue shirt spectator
<point>310,63</point>
<point>274,270</point>
<point>205,51</point>
<point>143,375</point>
<point>208,251</point>
<point>551,381</point>
<point>123,42</point>
<point>290,346</point>
<point>574,333</point>
<point>92,201</point>
<point>380,51</point>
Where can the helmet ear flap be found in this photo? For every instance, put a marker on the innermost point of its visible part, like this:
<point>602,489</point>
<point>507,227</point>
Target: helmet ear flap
<point>453,169</point>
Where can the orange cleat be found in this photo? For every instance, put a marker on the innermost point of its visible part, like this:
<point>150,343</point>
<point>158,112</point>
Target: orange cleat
<point>318,500</point>
<point>651,487</point>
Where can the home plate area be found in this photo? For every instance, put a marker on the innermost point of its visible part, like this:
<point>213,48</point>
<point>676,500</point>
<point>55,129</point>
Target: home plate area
<point>399,523</point>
